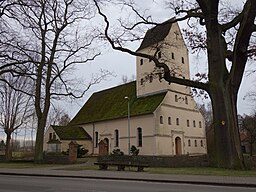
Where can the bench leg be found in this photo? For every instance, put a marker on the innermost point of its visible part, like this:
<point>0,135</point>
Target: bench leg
<point>120,168</point>
<point>140,169</point>
<point>103,167</point>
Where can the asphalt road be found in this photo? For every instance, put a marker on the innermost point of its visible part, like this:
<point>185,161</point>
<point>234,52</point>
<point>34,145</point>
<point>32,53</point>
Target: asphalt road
<point>55,184</point>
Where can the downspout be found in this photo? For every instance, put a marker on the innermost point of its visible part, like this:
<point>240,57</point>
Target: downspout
<point>93,137</point>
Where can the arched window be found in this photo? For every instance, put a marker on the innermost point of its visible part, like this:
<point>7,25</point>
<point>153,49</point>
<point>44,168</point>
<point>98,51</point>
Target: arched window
<point>161,120</point>
<point>194,123</point>
<point>116,138</point>
<point>141,61</point>
<point>50,136</point>
<point>172,55</point>
<point>189,143</point>
<point>150,78</point>
<point>200,124</point>
<point>202,143</point>
<point>195,143</point>
<point>159,54</point>
<point>186,100</point>
<point>177,121</point>
<point>169,120</point>
<point>141,81</point>
<point>139,136</point>
<point>96,139</point>
<point>187,123</point>
<point>176,98</point>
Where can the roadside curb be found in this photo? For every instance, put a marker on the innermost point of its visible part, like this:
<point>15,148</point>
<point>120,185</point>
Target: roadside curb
<point>245,185</point>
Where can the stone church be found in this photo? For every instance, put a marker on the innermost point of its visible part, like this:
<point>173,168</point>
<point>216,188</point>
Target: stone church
<point>163,118</point>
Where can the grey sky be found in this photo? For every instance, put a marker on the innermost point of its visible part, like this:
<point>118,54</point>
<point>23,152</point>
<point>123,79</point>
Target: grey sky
<point>124,64</point>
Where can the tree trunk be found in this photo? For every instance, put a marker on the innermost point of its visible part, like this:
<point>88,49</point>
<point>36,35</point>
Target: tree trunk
<point>38,157</point>
<point>251,146</point>
<point>227,152</point>
<point>8,148</point>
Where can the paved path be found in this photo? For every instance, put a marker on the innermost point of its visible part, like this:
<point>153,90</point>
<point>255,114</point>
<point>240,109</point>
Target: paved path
<point>129,175</point>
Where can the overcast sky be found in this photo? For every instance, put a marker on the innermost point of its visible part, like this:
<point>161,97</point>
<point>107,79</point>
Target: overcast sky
<point>124,64</point>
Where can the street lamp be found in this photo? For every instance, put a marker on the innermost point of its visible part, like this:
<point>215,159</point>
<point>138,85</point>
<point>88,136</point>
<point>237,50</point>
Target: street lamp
<point>128,118</point>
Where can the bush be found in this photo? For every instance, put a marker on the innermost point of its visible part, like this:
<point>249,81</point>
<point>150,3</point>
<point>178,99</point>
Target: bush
<point>117,152</point>
<point>81,151</point>
<point>134,150</point>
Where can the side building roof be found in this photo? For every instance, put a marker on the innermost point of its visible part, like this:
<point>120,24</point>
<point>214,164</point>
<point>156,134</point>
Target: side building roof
<point>111,104</point>
<point>71,133</point>
<point>156,34</point>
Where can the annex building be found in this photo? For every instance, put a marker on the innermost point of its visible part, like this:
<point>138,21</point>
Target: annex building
<point>164,119</point>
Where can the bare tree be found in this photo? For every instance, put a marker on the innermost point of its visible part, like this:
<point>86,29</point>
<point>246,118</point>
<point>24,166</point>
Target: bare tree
<point>228,40</point>
<point>16,108</point>
<point>51,37</point>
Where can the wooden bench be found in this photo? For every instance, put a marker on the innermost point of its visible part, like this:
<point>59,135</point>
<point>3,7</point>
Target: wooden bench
<point>120,162</point>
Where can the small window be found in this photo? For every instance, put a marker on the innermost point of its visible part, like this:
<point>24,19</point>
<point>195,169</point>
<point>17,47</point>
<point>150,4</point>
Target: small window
<point>194,123</point>
<point>150,78</point>
<point>172,55</point>
<point>187,123</point>
<point>159,54</point>
<point>50,136</point>
<point>202,143</point>
<point>54,136</point>
<point>177,121</point>
<point>141,81</point>
<point>195,143</point>
<point>200,124</point>
<point>169,121</point>
<point>141,61</point>
<point>96,139</point>
<point>186,100</point>
<point>139,134</point>
<point>182,60</point>
<point>116,138</point>
<point>161,120</point>
<point>189,143</point>
<point>176,98</point>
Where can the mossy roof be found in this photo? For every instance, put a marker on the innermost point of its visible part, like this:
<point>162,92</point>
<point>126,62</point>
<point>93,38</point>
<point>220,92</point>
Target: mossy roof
<point>156,34</point>
<point>71,133</point>
<point>110,104</point>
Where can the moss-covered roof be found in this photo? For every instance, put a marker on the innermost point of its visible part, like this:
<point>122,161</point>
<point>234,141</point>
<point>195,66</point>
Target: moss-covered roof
<point>110,104</point>
<point>71,133</point>
<point>156,34</point>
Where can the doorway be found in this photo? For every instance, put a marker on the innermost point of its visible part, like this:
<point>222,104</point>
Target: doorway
<point>178,147</point>
<point>104,147</point>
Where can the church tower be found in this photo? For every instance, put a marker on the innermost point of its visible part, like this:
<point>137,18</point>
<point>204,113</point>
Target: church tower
<point>166,38</point>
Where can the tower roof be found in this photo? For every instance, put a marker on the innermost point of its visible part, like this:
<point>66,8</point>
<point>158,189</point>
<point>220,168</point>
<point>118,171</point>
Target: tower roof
<point>156,34</point>
<point>111,104</point>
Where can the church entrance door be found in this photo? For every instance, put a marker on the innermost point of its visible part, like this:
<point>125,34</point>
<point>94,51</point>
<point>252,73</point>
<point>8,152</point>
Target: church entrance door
<point>178,147</point>
<point>104,147</point>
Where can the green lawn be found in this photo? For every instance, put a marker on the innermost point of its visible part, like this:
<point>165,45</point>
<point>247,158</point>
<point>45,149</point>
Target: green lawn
<point>203,171</point>
<point>180,171</point>
<point>24,165</point>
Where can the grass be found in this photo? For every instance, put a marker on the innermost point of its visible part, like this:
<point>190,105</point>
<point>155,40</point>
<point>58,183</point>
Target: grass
<point>24,165</point>
<point>204,171</point>
<point>179,171</point>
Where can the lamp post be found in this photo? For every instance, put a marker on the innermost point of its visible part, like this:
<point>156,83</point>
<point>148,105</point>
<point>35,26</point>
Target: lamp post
<point>128,118</point>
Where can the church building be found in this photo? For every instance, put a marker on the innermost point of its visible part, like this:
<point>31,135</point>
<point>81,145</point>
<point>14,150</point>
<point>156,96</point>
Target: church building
<point>156,117</point>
